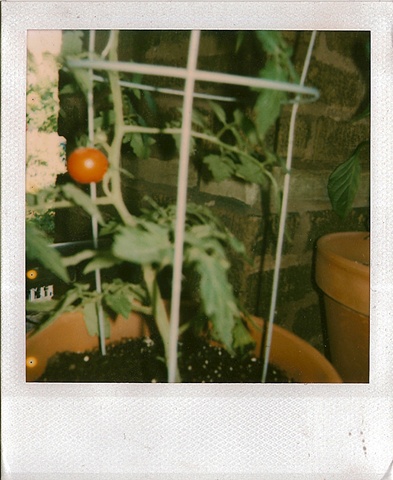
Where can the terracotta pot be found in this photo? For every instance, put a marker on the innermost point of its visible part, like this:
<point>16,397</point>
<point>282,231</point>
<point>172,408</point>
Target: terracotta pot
<point>343,274</point>
<point>68,333</point>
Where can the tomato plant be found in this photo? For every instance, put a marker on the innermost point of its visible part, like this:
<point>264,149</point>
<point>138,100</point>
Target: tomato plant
<point>87,165</point>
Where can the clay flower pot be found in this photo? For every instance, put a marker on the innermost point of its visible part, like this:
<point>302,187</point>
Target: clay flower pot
<point>293,355</point>
<point>343,274</point>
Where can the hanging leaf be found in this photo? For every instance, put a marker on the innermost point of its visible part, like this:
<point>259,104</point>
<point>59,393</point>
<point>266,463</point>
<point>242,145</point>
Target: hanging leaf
<point>90,316</point>
<point>119,303</point>
<point>198,118</point>
<point>251,171</point>
<point>267,109</point>
<point>247,127</point>
<point>141,144</point>
<point>241,336</point>
<point>72,43</point>
<point>218,299</point>
<point>137,145</point>
<point>101,261</point>
<point>221,167</point>
<point>343,183</point>
<point>78,257</point>
<point>271,40</point>
<point>80,198</point>
<point>38,248</point>
<point>219,112</point>
<point>140,246</point>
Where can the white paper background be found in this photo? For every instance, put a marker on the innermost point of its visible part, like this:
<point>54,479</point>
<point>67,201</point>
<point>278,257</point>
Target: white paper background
<point>195,431</point>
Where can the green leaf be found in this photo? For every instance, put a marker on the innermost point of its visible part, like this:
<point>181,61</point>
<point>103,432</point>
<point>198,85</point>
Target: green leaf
<point>72,43</point>
<point>198,119</point>
<point>101,261</point>
<point>78,257</point>
<point>141,144</point>
<point>42,306</point>
<point>242,337</point>
<point>245,125</point>
<point>251,171</point>
<point>138,145</point>
<point>80,198</point>
<point>119,303</point>
<point>90,316</point>
<point>267,109</point>
<point>83,79</point>
<point>343,184</point>
<point>218,298</point>
<point>140,246</point>
<point>221,167</point>
<point>38,248</point>
<point>271,40</point>
<point>219,112</point>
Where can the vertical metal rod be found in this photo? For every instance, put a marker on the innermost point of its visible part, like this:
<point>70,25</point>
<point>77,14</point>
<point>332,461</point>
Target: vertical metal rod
<point>93,192</point>
<point>283,215</point>
<point>182,203</point>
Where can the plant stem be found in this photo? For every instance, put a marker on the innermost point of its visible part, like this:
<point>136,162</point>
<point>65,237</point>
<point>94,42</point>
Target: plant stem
<point>115,149</point>
<point>202,136</point>
<point>159,311</point>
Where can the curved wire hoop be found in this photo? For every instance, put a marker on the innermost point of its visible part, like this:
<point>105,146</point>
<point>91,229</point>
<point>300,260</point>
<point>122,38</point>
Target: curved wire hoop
<point>198,75</point>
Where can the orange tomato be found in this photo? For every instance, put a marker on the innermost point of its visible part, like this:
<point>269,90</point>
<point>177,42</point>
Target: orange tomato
<point>87,165</point>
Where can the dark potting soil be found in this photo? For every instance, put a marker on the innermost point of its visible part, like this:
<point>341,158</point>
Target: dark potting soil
<point>141,360</point>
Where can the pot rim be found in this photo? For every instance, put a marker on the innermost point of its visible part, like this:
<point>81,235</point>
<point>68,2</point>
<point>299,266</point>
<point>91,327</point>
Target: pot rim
<point>298,347</point>
<point>324,248</point>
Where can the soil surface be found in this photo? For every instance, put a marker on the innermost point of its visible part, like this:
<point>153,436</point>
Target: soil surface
<point>141,360</point>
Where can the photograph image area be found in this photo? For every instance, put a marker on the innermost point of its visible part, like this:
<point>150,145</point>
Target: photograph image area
<point>197,206</point>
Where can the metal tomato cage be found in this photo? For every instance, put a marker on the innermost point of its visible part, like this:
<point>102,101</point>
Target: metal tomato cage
<point>190,75</point>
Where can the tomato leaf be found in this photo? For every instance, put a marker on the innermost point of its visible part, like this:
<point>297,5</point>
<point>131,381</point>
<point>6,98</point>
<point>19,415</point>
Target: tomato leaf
<point>241,336</point>
<point>91,318</point>
<point>343,184</point>
<point>221,167</point>
<point>218,299</point>
<point>143,246</point>
<point>101,261</point>
<point>198,119</point>
<point>219,112</point>
<point>267,108</point>
<point>78,257</point>
<point>141,144</point>
<point>119,303</point>
<point>251,171</point>
<point>38,248</point>
<point>271,40</point>
<point>72,43</point>
<point>80,198</point>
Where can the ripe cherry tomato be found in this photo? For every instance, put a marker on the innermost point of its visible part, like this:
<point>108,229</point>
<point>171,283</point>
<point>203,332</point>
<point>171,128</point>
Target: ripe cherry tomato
<point>87,165</point>
<point>32,274</point>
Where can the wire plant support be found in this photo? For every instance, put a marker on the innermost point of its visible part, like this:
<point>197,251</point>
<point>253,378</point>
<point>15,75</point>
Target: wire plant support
<point>191,75</point>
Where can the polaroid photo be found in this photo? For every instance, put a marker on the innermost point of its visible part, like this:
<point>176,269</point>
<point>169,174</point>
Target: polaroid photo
<point>196,268</point>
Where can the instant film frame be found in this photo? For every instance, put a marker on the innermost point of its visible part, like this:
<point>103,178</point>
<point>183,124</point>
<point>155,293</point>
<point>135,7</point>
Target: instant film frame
<point>104,431</point>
